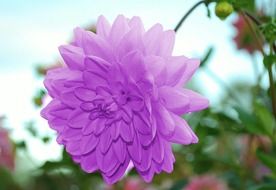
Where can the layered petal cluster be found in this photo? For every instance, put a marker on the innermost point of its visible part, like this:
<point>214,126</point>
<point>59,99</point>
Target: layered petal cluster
<point>119,100</point>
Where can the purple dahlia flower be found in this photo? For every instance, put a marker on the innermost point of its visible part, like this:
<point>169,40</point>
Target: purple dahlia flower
<point>119,100</point>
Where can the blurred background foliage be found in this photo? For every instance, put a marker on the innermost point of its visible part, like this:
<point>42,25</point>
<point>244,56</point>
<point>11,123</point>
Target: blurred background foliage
<point>237,147</point>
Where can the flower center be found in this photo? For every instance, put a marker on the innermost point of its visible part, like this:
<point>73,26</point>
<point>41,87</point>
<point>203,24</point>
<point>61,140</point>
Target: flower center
<point>103,110</point>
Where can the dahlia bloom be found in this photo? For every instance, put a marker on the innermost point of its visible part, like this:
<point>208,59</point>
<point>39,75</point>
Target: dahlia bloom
<point>244,38</point>
<point>206,182</point>
<point>6,150</point>
<point>119,99</point>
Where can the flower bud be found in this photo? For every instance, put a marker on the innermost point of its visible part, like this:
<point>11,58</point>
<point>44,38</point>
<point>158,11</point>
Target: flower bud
<point>223,9</point>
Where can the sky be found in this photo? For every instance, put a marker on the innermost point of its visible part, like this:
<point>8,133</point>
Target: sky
<point>31,31</point>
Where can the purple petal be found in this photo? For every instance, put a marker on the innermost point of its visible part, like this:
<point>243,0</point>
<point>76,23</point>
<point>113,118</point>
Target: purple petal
<point>57,124</point>
<point>183,134</point>
<point>70,99</point>
<point>141,125</point>
<point>88,144</point>
<point>93,80</point>
<point>155,65</point>
<point>103,27</point>
<point>118,174</point>
<point>174,99</point>
<point>106,162</point>
<point>73,56</point>
<point>73,147</point>
<point>78,119</point>
<point>152,39</point>
<point>168,159</point>
<point>145,140</point>
<point>87,106</point>
<point>118,30</point>
<point>89,162</point>
<point>167,43</point>
<point>93,44</point>
<point>133,65</point>
<point>105,141</point>
<point>130,42</point>
<point>126,131</point>
<point>96,65</point>
<point>158,150</point>
<point>119,148</point>
<point>70,134</point>
<point>115,131</point>
<point>165,123</point>
<point>136,23</point>
<point>134,150</point>
<point>84,94</point>
<point>197,101</point>
<point>146,160</point>
<point>99,126</point>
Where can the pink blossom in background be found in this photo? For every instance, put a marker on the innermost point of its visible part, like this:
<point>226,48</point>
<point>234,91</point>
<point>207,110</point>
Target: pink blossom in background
<point>244,38</point>
<point>120,98</point>
<point>206,182</point>
<point>134,184</point>
<point>7,156</point>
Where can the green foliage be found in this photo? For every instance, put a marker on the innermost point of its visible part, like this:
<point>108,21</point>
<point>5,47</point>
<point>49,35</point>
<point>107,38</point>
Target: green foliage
<point>267,159</point>
<point>269,31</point>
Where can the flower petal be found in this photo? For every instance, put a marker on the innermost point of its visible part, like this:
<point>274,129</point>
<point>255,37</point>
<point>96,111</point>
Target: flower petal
<point>93,44</point>
<point>96,65</point>
<point>183,134</point>
<point>197,101</point>
<point>89,162</point>
<point>118,174</point>
<point>141,125</point>
<point>70,99</point>
<point>158,150</point>
<point>73,147</point>
<point>174,99</point>
<point>88,144</point>
<point>73,56</point>
<point>78,119</point>
<point>126,131</point>
<point>103,27</point>
<point>152,38</point>
<point>118,30</point>
<point>165,124</point>
<point>85,94</point>
<point>106,162</point>
<point>119,148</point>
<point>93,80</point>
<point>167,43</point>
<point>134,150</point>
<point>105,141</point>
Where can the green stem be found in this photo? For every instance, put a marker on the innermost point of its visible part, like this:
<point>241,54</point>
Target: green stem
<point>189,12</point>
<point>247,15</point>
<point>272,89</point>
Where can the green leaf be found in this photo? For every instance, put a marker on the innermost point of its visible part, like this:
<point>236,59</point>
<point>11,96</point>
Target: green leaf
<point>21,145</point>
<point>269,60</point>
<point>267,186</point>
<point>266,118</point>
<point>178,185</point>
<point>266,159</point>
<point>245,4</point>
<point>250,122</point>
<point>207,57</point>
<point>31,128</point>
